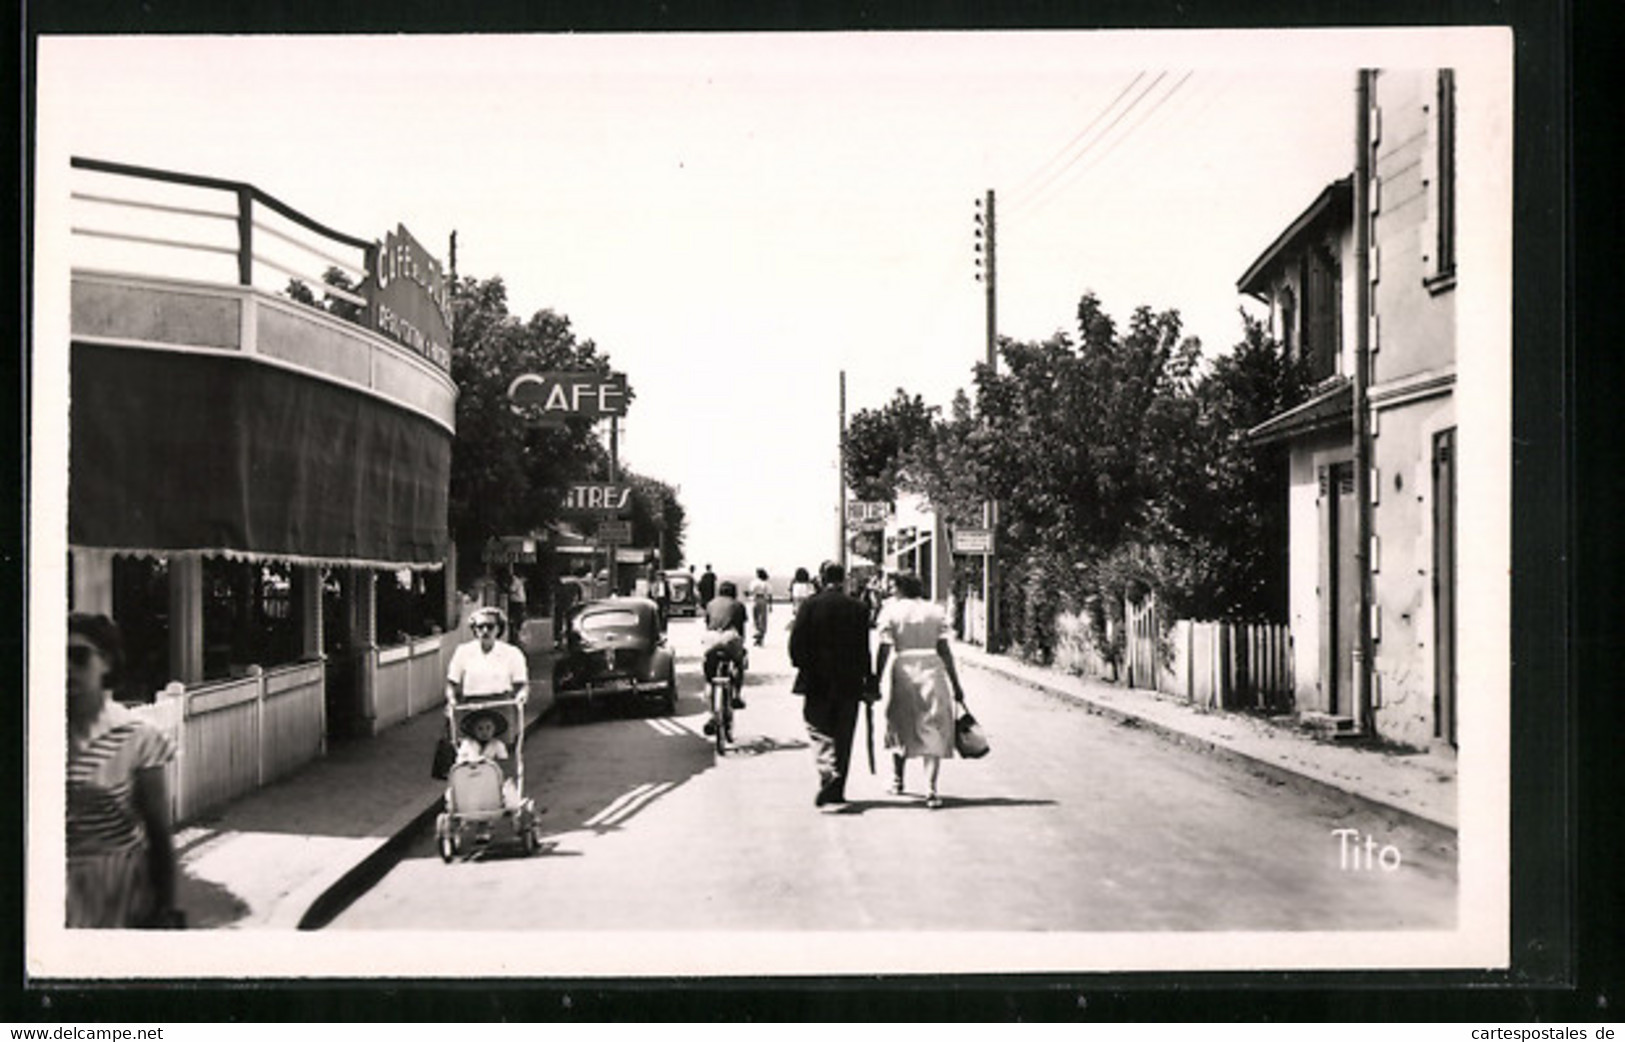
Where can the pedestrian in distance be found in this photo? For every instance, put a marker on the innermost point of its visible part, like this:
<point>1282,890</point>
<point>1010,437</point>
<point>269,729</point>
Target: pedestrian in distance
<point>922,683</point>
<point>517,606</point>
<point>761,603</point>
<point>566,595</point>
<point>120,839</point>
<point>660,593</point>
<point>801,587</point>
<point>829,646</point>
<point>708,587</point>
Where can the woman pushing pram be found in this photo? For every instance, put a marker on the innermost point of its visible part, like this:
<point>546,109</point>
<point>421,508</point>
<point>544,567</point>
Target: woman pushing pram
<point>487,684</point>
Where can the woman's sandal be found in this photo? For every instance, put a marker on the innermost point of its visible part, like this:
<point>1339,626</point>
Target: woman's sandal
<point>896,787</point>
<point>933,801</point>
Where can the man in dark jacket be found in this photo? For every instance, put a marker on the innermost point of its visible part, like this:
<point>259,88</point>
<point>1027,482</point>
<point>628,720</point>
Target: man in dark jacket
<point>708,587</point>
<point>829,646</point>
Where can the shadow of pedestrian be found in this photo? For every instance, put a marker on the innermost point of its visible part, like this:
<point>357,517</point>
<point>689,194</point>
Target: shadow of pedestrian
<point>917,803</point>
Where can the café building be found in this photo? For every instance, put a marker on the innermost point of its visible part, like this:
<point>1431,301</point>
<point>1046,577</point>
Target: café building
<point>260,425</point>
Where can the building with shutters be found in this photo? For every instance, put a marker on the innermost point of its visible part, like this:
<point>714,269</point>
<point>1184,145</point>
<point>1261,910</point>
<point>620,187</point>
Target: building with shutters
<point>1362,287</point>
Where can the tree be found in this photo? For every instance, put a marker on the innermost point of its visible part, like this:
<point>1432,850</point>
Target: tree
<point>507,474</point>
<point>878,443</point>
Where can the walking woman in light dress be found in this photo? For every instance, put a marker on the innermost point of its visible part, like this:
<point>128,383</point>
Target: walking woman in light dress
<point>121,857</point>
<point>922,681</point>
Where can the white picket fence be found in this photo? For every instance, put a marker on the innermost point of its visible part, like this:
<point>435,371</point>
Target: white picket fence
<point>234,736</point>
<point>1216,665</point>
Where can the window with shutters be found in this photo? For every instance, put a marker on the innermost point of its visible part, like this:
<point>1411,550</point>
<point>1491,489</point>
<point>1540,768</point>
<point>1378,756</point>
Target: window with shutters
<point>1322,313</point>
<point>1441,269</point>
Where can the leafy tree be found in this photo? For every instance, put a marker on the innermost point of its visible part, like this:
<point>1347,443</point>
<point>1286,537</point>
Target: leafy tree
<point>508,474</point>
<point>335,277</point>
<point>658,518</point>
<point>878,442</point>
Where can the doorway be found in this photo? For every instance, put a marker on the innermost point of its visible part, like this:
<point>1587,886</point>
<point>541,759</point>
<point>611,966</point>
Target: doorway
<point>1444,585</point>
<point>1339,588</point>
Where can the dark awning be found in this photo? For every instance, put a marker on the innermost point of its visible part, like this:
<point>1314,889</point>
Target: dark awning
<point>174,453</point>
<point>1331,409</point>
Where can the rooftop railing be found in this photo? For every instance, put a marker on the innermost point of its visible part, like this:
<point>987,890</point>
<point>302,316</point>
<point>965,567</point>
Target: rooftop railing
<point>145,221</point>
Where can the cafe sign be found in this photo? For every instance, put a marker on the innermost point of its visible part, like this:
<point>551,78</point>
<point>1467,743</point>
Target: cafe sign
<point>559,395</point>
<point>410,297</point>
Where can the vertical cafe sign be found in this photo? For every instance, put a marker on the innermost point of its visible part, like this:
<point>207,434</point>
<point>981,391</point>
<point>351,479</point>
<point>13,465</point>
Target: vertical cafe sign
<point>411,302</point>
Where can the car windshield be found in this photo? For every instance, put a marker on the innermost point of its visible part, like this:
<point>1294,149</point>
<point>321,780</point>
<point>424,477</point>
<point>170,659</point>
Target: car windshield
<point>679,583</point>
<point>604,621</point>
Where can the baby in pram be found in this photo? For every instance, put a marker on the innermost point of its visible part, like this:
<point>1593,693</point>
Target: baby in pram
<point>482,744</point>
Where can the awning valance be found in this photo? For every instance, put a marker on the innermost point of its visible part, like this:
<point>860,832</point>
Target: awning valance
<point>178,453</point>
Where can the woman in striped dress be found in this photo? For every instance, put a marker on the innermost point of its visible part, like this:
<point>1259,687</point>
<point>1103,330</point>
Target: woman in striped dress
<point>121,856</point>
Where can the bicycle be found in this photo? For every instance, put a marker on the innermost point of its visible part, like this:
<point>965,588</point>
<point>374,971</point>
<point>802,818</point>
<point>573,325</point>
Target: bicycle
<point>724,690</point>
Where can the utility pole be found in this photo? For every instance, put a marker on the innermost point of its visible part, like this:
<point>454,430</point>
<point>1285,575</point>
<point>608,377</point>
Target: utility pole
<point>1362,651</point>
<point>840,466</point>
<point>614,476</point>
<point>986,262</point>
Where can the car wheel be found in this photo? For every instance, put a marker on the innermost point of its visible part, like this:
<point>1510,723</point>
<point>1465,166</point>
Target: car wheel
<point>669,696</point>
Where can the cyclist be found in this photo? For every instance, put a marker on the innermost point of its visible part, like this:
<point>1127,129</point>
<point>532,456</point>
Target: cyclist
<point>725,623</point>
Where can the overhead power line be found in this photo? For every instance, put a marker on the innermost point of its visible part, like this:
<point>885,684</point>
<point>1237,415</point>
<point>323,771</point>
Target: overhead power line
<point>1039,200</point>
<point>1016,193</point>
<point>1095,141</point>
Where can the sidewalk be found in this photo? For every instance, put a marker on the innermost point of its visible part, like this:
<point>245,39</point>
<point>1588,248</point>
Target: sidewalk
<point>1420,786</point>
<point>290,854</point>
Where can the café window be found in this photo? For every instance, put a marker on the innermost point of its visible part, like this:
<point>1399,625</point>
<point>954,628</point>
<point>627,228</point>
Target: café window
<point>248,617</point>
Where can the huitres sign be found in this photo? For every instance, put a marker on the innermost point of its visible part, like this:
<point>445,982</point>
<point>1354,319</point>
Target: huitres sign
<point>411,302</point>
<point>607,499</point>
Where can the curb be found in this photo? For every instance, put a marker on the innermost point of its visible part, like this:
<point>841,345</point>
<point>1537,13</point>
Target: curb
<point>1438,830</point>
<point>321,900</point>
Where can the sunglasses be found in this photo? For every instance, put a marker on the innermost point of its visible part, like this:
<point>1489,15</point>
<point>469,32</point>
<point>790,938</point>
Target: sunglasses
<point>79,654</point>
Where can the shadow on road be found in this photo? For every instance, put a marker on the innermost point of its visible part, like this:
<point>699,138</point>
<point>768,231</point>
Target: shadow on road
<point>910,802</point>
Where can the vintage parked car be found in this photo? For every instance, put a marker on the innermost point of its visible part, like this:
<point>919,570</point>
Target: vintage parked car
<point>613,650</point>
<point>685,599</point>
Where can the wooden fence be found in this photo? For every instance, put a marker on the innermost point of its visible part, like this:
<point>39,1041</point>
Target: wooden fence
<point>410,678</point>
<point>1216,665</point>
<point>233,736</point>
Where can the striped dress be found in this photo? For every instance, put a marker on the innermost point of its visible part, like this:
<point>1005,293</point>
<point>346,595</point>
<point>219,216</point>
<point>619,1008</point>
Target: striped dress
<point>108,880</point>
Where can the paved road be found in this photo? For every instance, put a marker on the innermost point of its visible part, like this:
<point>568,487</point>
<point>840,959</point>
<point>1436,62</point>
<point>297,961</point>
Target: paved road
<point>1074,823</point>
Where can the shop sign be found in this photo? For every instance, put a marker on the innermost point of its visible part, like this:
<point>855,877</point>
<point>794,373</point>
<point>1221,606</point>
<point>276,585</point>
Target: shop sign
<point>973,541</point>
<point>612,499</point>
<point>509,550</point>
<point>615,533</point>
<point>567,394</point>
<point>867,517</point>
<point>411,302</point>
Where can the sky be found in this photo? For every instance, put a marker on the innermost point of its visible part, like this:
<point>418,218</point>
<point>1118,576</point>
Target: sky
<point>737,220</point>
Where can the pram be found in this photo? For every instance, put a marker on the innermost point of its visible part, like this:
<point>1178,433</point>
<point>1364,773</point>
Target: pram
<point>474,788</point>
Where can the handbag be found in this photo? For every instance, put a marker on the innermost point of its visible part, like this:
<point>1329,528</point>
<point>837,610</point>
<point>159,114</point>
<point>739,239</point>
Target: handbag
<point>969,739</point>
<point>445,754</point>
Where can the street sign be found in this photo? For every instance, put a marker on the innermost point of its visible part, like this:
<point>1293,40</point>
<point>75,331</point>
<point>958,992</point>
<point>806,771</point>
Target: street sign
<point>598,499</point>
<point>973,541</point>
<point>556,395</point>
<point>615,533</point>
<point>866,517</point>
